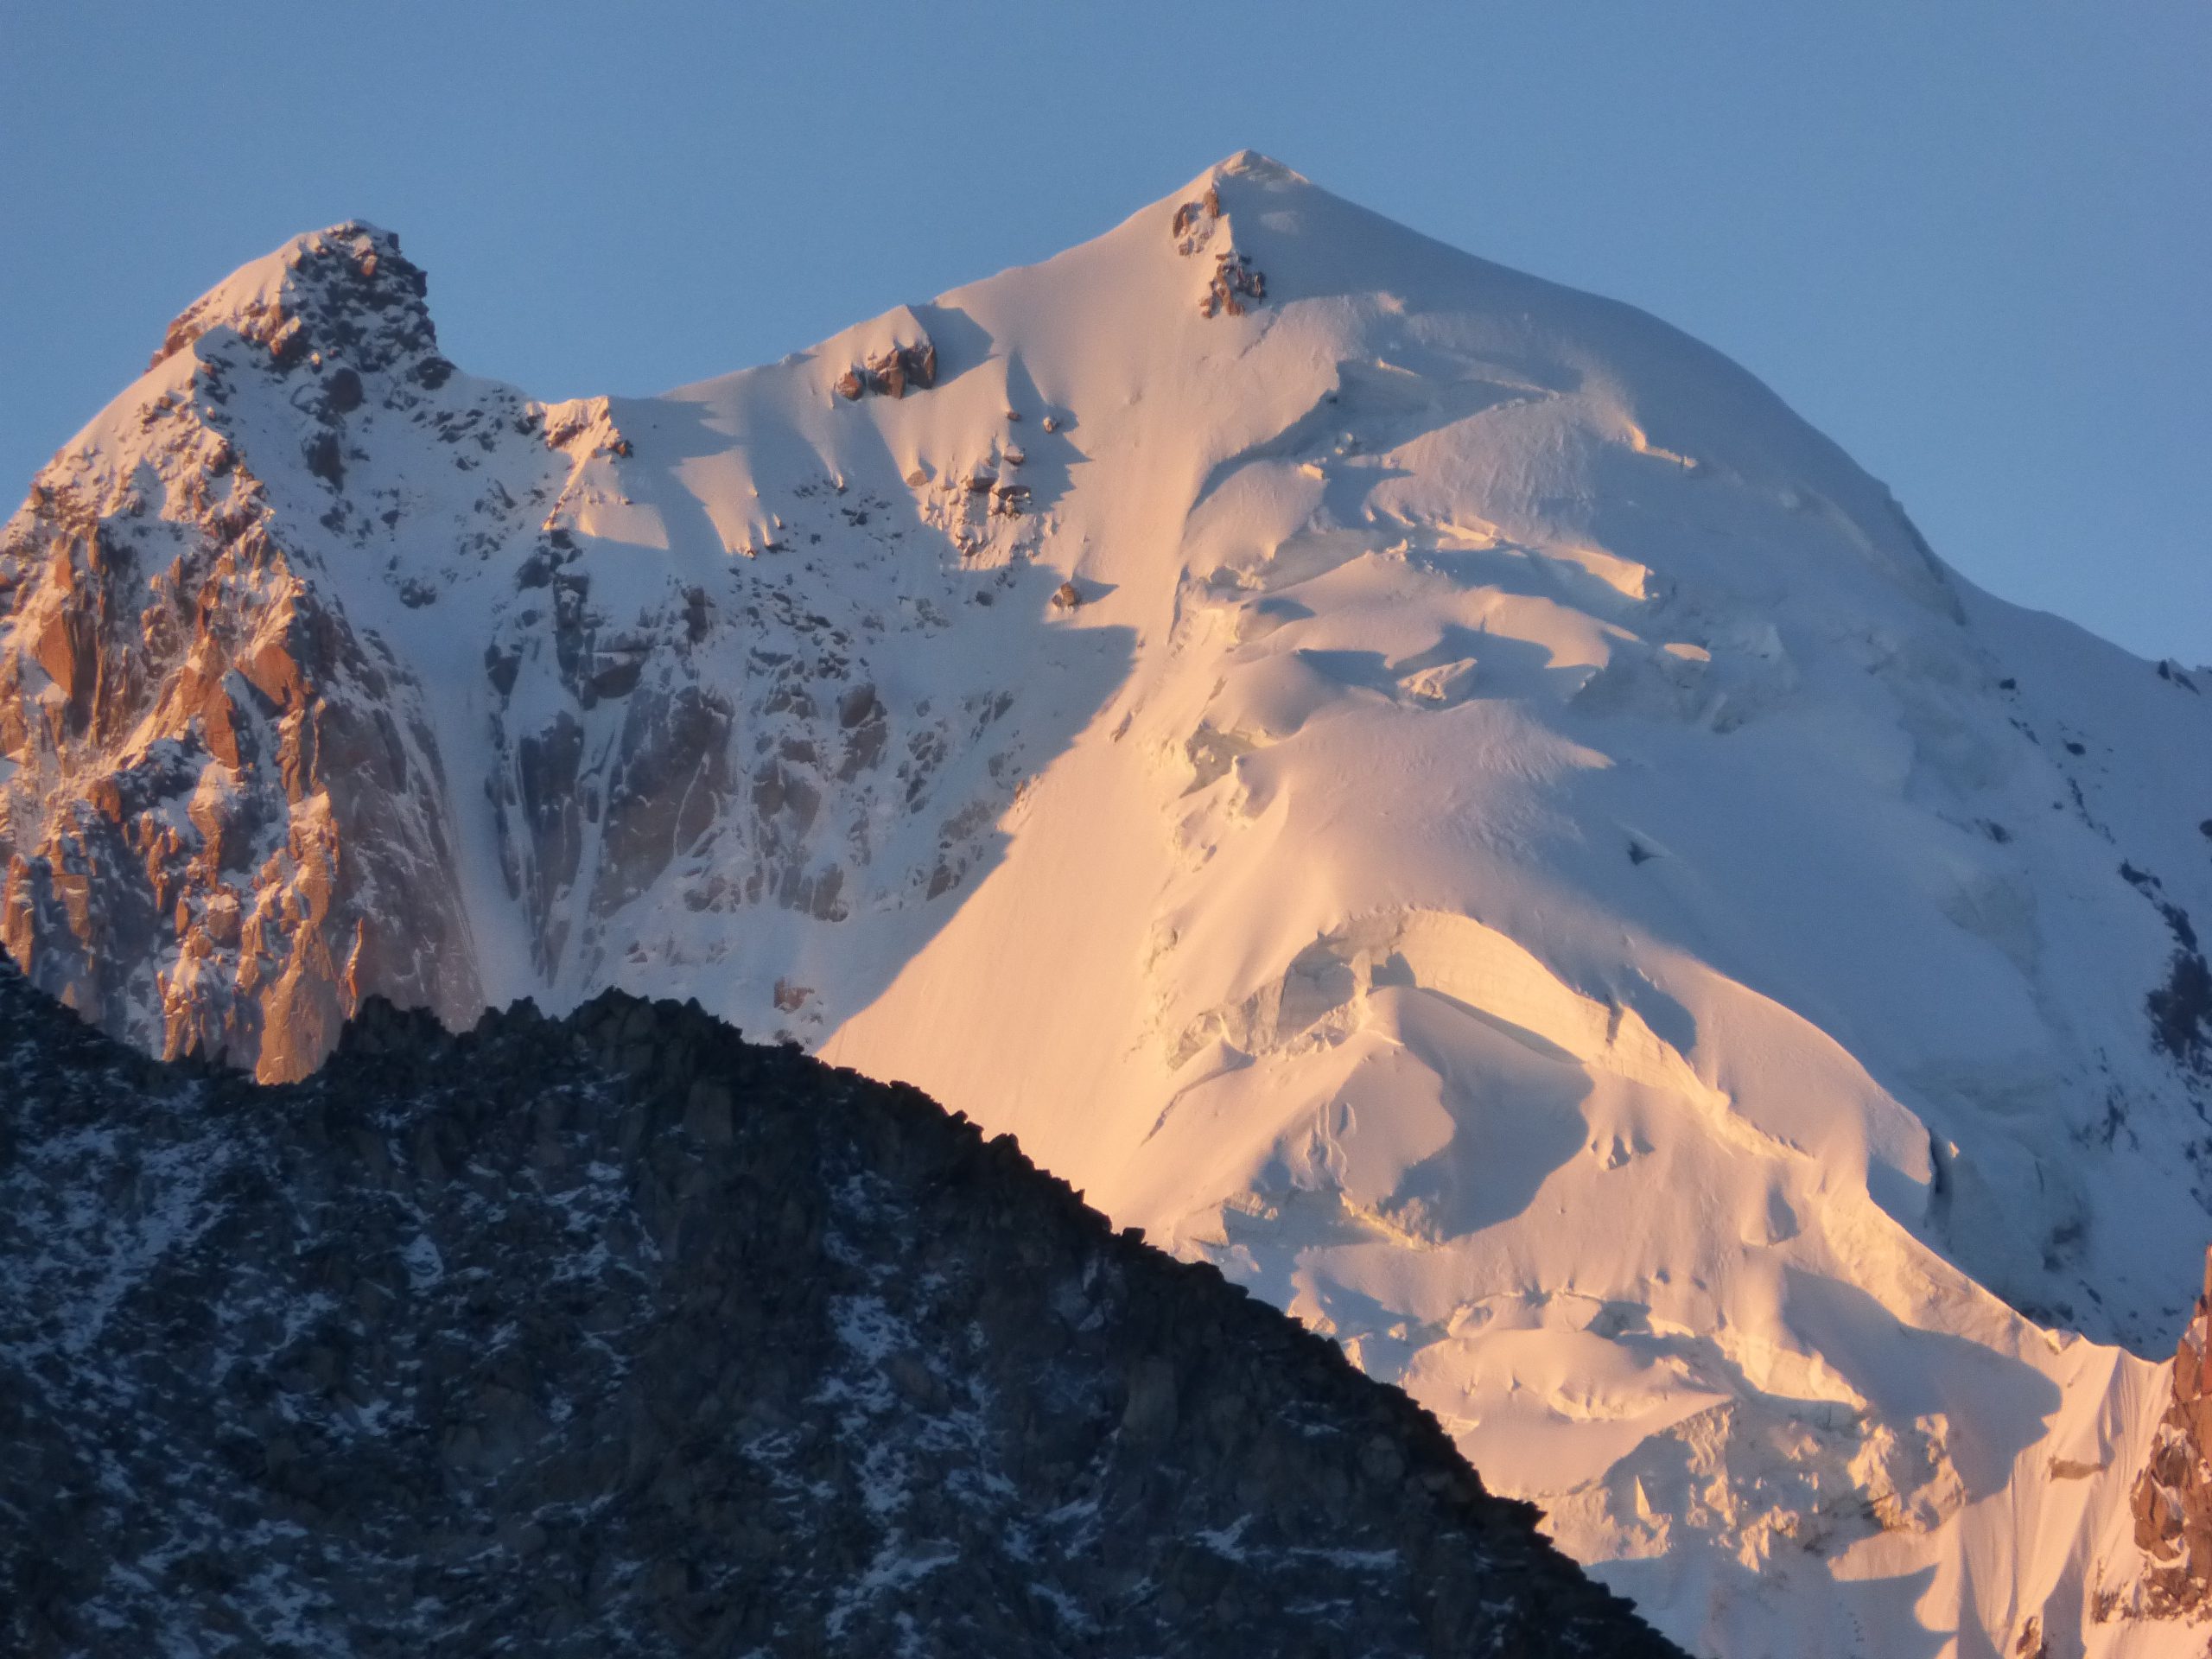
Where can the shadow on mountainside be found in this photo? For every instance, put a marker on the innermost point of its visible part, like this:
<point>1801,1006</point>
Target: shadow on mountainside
<point>889,675</point>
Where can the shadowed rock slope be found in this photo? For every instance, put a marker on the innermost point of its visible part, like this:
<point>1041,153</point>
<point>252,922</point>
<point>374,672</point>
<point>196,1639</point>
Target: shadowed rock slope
<point>617,1335</point>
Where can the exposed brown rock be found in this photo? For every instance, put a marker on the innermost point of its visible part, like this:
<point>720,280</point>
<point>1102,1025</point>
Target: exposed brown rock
<point>321,454</point>
<point>887,373</point>
<point>341,392</point>
<point>2172,1500</point>
<point>216,843</point>
<point>1234,282</point>
<point>892,372</point>
<point>921,365</point>
<point>1234,286</point>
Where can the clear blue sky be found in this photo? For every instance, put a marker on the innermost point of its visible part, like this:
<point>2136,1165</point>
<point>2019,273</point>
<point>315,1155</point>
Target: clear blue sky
<point>1971,239</point>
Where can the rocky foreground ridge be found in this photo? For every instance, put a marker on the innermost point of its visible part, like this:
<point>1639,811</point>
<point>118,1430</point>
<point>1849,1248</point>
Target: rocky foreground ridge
<point>618,1335</point>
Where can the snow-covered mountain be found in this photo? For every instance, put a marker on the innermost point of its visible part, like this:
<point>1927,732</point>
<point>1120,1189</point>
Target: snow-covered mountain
<point>1434,790</point>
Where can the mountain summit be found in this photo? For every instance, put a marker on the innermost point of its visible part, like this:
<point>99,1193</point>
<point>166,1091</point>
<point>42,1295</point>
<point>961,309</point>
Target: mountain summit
<point>1434,792</point>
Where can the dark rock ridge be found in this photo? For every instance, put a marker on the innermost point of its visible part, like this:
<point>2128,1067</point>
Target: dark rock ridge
<point>617,1335</point>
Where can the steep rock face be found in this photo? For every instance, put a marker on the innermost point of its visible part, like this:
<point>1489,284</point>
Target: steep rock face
<point>614,1335</point>
<point>2172,1499</point>
<point>222,804</point>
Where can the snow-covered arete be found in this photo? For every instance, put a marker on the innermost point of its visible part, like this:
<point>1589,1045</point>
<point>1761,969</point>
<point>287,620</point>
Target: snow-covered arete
<point>1432,790</point>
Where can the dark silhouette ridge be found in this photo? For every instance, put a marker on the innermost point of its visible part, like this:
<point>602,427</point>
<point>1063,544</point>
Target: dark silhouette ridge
<point>617,1334</point>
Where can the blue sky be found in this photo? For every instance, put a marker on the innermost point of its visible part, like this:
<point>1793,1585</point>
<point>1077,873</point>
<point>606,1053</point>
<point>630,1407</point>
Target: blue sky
<point>1971,240</point>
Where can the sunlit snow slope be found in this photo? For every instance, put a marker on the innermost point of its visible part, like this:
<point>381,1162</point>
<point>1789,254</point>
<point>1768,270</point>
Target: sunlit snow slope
<point>1432,790</point>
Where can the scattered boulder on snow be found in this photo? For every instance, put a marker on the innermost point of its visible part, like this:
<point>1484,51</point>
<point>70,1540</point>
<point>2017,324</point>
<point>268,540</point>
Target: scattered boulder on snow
<point>1234,282</point>
<point>1193,222</point>
<point>322,455</point>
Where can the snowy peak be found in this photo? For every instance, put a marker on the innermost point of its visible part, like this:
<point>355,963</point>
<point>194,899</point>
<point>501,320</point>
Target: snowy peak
<point>1434,792</point>
<point>1250,163</point>
<point>1575,415</point>
<point>345,296</point>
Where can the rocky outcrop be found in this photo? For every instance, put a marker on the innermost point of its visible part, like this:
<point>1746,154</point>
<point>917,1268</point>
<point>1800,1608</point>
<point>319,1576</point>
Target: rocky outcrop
<point>2181,1007</point>
<point>1234,285</point>
<point>614,1335</point>
<point>1193,222</point>
<point>2172,1499</point>
<point>892,372</point>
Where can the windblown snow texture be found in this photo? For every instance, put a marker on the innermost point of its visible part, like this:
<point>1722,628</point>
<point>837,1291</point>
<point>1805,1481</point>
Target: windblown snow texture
<point>1432,791</point>
<point>615,1335</point>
